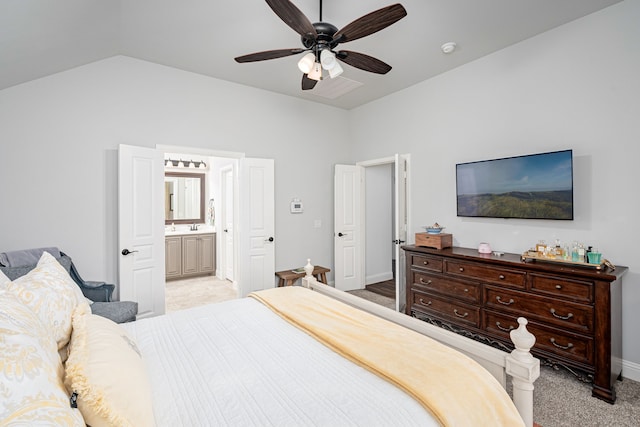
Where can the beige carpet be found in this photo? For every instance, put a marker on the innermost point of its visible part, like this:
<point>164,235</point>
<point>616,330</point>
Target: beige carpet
<point>186,293</point>
<point>377,298</point>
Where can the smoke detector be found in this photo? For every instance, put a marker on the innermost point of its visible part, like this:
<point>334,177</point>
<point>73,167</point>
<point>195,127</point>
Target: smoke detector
<point>448,47</point>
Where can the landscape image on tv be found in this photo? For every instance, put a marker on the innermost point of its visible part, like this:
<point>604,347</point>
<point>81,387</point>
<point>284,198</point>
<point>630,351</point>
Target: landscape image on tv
<point>537,186</point>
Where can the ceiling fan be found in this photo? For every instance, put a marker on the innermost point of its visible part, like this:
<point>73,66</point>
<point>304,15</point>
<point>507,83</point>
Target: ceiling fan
<point>321,38</point>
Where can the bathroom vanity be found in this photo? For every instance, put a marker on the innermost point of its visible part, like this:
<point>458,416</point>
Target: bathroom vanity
<point>189,253</point>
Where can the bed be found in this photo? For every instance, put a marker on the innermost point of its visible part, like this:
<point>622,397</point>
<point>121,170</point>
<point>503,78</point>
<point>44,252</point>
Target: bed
<point>286,356</point>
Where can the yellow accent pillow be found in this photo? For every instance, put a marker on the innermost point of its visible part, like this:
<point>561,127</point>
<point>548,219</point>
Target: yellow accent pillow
<point>51,294</point>
<point>106,370</point>
<point>31,388</point>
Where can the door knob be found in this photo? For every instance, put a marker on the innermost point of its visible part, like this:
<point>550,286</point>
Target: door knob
<point>270,239</point>
<point>341,235</point>
<point>226,230</point>
<point>127,252</point>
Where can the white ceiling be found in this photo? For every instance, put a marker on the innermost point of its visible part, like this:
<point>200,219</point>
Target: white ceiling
<point>41,37</point>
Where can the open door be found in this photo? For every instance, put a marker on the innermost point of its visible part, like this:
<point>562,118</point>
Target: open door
<point>257,226</point>
<point>400,228</point>
<point>141,228</point>
<point>227,268</point>
<point>348,254</point>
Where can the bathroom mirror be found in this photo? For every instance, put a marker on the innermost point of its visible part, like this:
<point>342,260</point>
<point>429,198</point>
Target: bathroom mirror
<point>183,198</point>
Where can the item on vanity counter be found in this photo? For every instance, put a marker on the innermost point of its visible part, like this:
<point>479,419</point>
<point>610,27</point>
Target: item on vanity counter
<point>484,248</point>
<point>434,229</point>
<point>436,241</point>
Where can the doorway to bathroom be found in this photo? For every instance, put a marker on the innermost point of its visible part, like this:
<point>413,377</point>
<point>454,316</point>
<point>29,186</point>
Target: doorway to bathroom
<point>200,259</point>
<point>142,226</point>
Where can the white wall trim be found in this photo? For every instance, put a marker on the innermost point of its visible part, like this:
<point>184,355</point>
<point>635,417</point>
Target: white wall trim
<point>200,151</point>
<point>631,370</point>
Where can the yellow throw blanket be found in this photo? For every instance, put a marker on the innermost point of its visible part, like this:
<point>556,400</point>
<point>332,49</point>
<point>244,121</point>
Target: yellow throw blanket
<point>455,389</point>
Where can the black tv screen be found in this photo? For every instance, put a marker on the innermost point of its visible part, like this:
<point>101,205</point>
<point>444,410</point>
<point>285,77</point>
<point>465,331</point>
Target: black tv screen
<point>535,186</point>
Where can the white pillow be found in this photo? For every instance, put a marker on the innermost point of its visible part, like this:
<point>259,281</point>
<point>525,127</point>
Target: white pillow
<point>3,279</point>
<point>51,294</point>
<point>106,370</point>
<point>31,389</point>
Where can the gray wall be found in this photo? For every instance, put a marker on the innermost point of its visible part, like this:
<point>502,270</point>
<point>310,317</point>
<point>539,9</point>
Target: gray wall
<point>576,87</point>
<point>60,135</point>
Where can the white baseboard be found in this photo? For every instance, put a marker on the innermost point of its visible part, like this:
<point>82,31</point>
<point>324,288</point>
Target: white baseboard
<point>377,278</point>
<point>631,370</point>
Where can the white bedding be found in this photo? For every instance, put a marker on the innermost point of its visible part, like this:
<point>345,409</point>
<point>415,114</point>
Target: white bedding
<point>237,363</point>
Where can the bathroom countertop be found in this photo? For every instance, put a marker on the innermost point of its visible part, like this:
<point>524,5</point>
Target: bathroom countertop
<point>184,230</point>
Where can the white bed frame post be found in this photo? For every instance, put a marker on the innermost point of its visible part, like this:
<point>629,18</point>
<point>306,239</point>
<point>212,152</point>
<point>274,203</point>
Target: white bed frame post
<point>524,370</point>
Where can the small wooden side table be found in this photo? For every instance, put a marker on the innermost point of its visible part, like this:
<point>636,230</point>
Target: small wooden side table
<point>289,277</point>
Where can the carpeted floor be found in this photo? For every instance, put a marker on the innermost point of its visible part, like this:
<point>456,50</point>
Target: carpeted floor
<point>560,400</point>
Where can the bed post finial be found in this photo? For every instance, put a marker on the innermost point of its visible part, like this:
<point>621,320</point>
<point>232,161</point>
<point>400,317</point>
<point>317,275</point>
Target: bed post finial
<point>308,269</point>
<point>524,369</point>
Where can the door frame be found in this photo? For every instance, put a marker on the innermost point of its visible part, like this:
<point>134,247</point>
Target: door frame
<point>221,154</point>
<point>224,171</point>
<point>410,238</point>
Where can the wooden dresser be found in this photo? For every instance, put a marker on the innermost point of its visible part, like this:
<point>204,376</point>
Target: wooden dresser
<point>575,312</point>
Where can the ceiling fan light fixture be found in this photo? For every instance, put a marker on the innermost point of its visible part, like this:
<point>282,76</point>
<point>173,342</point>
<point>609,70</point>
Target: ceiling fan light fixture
<point>306,63</point>
<point>335,71</point>
<point>316,72</point>
<point>328,59</point>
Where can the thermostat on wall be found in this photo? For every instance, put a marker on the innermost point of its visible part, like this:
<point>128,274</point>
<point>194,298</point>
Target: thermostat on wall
<point>296,206</point>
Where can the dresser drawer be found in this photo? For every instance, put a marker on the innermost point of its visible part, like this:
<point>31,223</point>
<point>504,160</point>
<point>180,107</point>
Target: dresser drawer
<point>571,346</point>
<point>441,307</point>
<point>563,314</point>
<point>575,290</point>
<point>460,289</point>
<point>504,277</point>
<point>426,262</point>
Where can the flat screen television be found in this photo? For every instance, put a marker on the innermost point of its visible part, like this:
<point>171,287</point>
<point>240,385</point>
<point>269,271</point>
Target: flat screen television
<point>535,186</point>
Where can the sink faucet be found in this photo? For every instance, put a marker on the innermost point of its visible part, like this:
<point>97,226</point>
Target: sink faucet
<point>194,227</point>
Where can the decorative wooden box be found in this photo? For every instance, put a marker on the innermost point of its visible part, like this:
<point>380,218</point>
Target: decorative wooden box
<point>437,241</point>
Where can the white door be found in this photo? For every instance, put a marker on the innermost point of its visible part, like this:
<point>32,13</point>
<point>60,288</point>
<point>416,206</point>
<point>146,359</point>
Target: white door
<point>256,230</point>
<point>347,233</point>
<point>400,228</point>
<point>141,228</point>
<point>227,223</point>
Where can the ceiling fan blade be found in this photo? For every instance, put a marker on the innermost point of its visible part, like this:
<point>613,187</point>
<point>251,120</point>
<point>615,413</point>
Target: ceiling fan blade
<point>292,16</point>
<point>307,83</point>
<point>370,23</point>
<point>268,54</point>
<point>364,62</point>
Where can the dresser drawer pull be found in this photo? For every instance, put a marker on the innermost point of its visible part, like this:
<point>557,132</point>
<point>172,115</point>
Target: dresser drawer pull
<point>558,286</point>
<point>461,268</point>
<point>567,317</point>
<point>502,328</point>
<point>563,347</point>
<point>424,303</point>
<point>455,311</point>
<point>428,282</point>
<point>511,301</point>
<point>501,277</point>
<point>425,262</point>
<point>466,290</point>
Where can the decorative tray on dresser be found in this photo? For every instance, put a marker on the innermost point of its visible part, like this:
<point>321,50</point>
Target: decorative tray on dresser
<point>574,312</point>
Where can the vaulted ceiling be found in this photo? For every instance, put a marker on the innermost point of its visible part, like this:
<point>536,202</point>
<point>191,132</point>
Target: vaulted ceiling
<point>42,37</point>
